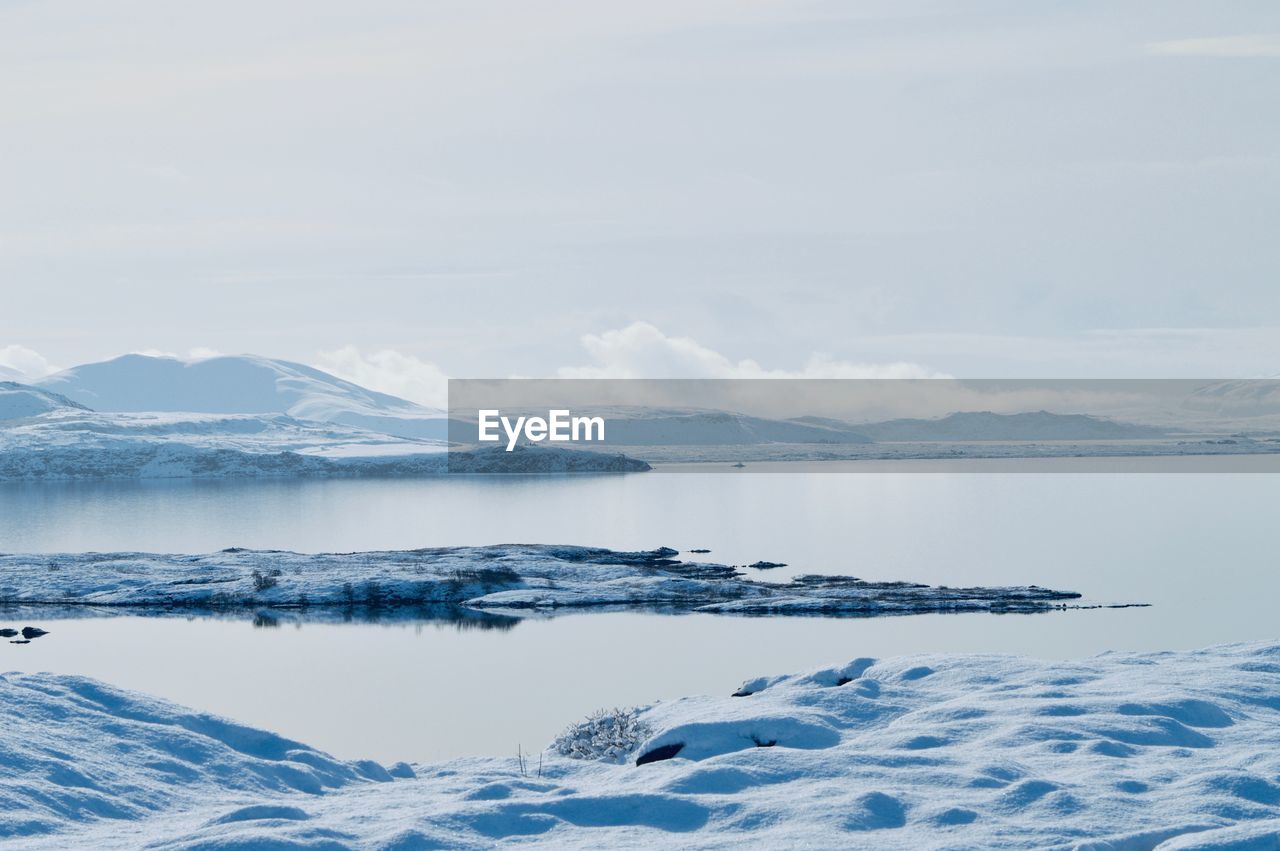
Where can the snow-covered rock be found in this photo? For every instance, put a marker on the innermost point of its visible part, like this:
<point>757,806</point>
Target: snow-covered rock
<point>503,577</point>
<point>1163,750</point>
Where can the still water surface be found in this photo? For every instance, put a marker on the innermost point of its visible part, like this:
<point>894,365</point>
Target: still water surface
<point>1201,548</point>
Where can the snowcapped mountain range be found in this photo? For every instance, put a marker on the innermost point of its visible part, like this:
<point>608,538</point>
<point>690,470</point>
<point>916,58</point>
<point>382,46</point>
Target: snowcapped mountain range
<point>985,425</point>
<point>243,384</point>
<point>140,415</point>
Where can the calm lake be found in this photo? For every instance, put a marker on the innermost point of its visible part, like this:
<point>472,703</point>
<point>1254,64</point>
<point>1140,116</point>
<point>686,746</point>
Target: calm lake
<point>1199,547</point>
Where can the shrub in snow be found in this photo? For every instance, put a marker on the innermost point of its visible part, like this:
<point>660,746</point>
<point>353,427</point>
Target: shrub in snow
<point>608,735</point>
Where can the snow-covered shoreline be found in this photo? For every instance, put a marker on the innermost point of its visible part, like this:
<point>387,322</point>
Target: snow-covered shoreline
<point>80,445</point>
<point>501,578</point>
<point>1167,750</point>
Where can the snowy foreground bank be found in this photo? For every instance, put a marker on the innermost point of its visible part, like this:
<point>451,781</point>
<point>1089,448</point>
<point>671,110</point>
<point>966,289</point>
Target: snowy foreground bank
<point>494,578</point>
<point>1167,750</point>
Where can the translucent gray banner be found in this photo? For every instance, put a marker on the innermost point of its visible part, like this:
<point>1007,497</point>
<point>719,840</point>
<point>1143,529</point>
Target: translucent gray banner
<point>864,425</point>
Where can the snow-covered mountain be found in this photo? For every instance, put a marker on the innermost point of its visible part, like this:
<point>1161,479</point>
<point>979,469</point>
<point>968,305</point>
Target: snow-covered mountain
<point>73,443</point>
<point>8,373</point>
<point>985,425</point>
<point>236,417</point>
<point>18,401</point>
<point>242,384</point>
<point>1245,398</point>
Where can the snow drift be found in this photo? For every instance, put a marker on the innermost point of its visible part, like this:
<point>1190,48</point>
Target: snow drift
<point>1162,750</point>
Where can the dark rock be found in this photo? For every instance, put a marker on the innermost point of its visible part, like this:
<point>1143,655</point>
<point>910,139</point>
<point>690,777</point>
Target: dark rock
<point>33,632</point>
<point>767,565</point>
<point>8,632</point>
<point>20,641</point>
<point>659,754</point>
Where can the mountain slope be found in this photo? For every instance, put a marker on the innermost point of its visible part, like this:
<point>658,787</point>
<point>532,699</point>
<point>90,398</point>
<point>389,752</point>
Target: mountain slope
<point>985,425</point>
<point>640,426</point>
<point>1245,398</point>
<point>243,384</point>
<point>18,401</point>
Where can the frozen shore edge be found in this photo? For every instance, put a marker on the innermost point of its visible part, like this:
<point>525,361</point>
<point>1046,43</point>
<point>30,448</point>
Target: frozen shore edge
<point>511,578</point>
<point>143,460</point>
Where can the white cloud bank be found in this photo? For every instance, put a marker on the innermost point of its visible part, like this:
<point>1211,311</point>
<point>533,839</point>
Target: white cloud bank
<point>389,371</point>
<point>641,350</point>
<point>18,363</point>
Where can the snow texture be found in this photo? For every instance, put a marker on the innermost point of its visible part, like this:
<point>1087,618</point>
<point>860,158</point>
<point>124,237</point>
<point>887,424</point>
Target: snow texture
<point>515,578</point>
<point>1163,750</point>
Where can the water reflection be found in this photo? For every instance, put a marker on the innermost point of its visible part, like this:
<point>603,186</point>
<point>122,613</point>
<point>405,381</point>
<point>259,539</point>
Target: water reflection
<point>460,618</point>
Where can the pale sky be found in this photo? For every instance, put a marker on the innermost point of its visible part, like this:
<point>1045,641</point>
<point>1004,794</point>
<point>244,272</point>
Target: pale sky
<point>537,188</point>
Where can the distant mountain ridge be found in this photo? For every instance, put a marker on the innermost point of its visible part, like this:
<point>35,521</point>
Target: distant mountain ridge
<point>1245,398</point>
<point>696,427</point>
<point>669,427</point>
<point>987,425</point>
<point>249,384</point>
<point>241,384</point>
